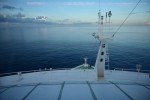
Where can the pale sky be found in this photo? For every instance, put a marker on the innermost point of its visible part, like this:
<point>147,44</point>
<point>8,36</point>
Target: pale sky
<point>73,11</point>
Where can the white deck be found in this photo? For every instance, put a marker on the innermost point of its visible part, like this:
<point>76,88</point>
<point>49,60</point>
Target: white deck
<point>76,84</point>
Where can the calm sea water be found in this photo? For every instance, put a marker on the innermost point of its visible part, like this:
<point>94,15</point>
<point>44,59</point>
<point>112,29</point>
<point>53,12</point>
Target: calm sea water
<point>30,47</point>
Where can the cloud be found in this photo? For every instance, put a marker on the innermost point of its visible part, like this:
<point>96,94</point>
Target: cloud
<point>121,3</point>
<point>72,22</point>
<point>65,21</point>
<point>11,8</point>
<point>41,18</point>
<point>36,3</point>
<point>19,15</point>
<point>15,16</point>
<point>105,3</point>
<point>79,3</point>
<point>21,18</point>
<point>12,18</point>
<point>20,9</point>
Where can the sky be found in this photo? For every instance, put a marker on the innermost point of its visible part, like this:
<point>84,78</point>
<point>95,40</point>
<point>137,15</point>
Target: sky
<point>73,11</point>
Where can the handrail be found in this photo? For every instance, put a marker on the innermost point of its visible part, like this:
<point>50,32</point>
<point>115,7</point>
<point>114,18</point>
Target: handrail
<point>30,71</point>
<point>122,69</point>
<point>50,69</point>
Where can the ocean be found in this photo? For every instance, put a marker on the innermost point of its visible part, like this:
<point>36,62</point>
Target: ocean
<point>26,47</point>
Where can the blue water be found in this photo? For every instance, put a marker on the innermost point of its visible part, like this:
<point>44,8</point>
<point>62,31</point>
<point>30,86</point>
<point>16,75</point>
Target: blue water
<point>30,47</point>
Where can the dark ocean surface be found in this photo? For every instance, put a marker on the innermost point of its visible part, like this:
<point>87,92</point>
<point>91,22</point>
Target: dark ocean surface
<point>30,47</point>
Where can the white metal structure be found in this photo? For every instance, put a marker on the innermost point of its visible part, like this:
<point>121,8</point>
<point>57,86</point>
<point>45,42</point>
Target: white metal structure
<point>100,61</point>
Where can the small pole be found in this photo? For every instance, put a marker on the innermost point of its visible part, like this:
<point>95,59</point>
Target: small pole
<point>40,70</point>
<point>109,15</point>
<point>106,17</point>
<point>50,69</point>
<point>19,74</point>
<point>85,61</point>
<point>138,67</point>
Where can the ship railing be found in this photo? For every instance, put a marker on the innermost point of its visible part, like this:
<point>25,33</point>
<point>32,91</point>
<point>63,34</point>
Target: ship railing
<point>133,70</point>
<point>50,69</point>
<point>31,71</point>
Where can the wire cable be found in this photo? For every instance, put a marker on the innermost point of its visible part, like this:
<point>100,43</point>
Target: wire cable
<point>127,17</point>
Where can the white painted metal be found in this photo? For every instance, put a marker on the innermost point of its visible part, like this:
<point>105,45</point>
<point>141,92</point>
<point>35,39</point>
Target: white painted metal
<point>100,61</point>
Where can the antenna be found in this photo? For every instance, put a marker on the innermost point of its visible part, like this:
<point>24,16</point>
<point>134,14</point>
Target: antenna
<point>106,18</point>
<point>109,15</point>
<point>99,5</point>
<point>99,23</point>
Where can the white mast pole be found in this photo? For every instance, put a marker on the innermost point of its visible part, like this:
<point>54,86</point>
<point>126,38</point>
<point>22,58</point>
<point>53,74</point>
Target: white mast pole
<point>100,61</point>
<point>99,23</point>
<point>101,56</point>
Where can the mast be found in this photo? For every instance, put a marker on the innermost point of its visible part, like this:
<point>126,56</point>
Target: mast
<point>101,56</point>
<point>99,23</point>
